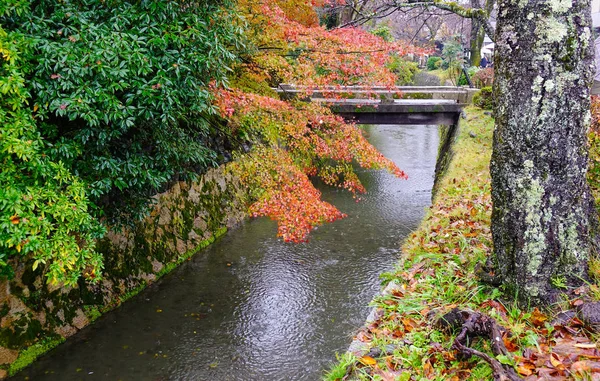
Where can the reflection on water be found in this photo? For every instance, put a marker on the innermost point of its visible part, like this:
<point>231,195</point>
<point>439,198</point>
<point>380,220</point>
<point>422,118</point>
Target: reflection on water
<point>251,307</point>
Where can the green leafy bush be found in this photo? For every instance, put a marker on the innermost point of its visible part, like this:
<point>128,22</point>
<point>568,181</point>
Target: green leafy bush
<point>405,70</point>
<point>44,211</point>
<point>102,99</point>
<point>432,63</point>
<point>383,31</point>
<point>472,71</point>
<point>123,89</point>
<point>484,98</point>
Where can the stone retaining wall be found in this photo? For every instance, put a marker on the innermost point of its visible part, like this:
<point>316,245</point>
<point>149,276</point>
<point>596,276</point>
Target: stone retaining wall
<point>35,316</point>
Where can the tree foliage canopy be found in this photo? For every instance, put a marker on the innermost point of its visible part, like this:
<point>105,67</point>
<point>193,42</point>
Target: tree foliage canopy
<point>97,98</point>
<point>44,210</point>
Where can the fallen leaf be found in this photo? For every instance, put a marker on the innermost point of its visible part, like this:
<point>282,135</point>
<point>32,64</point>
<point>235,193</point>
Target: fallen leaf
<point>538,318</point>
<point>524,371</point>
<point>556,361</point>
<point>585,346</point>
<point>368,360</point>
<point>510,346</point>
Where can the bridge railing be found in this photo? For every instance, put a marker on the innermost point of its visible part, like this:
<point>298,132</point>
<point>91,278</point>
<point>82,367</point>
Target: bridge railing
<point>458,94</point>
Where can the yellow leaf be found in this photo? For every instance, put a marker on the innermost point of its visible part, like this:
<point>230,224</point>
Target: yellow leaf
<point>14,219</point>
<point>524,371</point>
<point>368,360</point>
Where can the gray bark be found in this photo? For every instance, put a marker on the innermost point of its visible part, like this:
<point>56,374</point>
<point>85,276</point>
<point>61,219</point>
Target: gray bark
<point>544,222</point>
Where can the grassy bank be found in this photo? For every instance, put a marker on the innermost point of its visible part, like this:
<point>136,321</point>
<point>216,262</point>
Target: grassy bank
<point>437,272</point>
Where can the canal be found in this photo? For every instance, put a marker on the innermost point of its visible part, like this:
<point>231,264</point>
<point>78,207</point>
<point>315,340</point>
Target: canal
<point>251,307</point>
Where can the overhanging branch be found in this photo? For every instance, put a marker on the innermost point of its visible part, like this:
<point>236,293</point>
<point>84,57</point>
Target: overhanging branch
<point>480,14</point>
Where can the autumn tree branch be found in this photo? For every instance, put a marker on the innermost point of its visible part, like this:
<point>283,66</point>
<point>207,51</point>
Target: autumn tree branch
<point>480,14</point>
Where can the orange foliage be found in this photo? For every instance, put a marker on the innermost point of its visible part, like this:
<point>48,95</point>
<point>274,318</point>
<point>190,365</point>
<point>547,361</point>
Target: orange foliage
<point>308,54</point>
<point>316,143</point>
<point>302,139</point>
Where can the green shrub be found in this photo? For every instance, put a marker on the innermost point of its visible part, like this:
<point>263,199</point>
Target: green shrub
<point>432,63</point>
<point>44,211</point>
<point>383,31</point>
<point>404,70</point>
<point>484,98</point>
<point>462,80</point>
<point>121,85</point>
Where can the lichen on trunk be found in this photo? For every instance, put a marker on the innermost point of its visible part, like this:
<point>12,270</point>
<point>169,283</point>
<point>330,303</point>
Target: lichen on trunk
<point>544,222</point>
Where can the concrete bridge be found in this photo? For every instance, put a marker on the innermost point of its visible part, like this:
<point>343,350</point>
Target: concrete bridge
<point>382,105</point>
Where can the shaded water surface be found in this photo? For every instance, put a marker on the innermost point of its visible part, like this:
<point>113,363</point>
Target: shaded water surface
<point>251,307</point>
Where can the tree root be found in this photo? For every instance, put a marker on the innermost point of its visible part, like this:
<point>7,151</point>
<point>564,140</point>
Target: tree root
<point>474,324</point>
<point>484,273</point>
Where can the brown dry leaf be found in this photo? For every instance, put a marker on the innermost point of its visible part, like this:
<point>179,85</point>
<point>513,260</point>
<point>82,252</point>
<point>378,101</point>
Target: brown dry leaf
<point>585,366</point>
<point>364,337</point>
<point>556,361</point>
<point>580,290</point>
<point>388,375</point>
<point>428,369</point>
<point>538,318</point>
<point>409,324</point>
<point>576,302</point>
<point>495,305</point>
<point>368,360</point>
<point>397,334</point>
<point>14,219</point>
<point>510,346</point>
<point>524,371</point>
<point>390,302</point>
<point>391,364</point>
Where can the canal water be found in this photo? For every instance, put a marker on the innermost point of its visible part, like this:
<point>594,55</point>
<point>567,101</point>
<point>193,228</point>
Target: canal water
<point>251,307</point>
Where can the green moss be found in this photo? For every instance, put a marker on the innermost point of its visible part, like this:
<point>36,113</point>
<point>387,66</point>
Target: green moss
<point>417,96</point>
<point>133,292</point>
<point>484,98</point>
<point>4,310</point>
<point>176,262</point>
<point>30,354</point>
<point>22,331</point>
<point>92,312</point>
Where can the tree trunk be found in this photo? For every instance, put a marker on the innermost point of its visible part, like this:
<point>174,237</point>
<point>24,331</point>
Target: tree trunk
<point>544,222</point>
<point>477,36</point>
<point>477,32</point>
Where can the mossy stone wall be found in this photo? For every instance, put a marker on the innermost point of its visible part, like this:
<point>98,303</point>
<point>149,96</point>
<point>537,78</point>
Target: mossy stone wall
<point>36,316</point>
